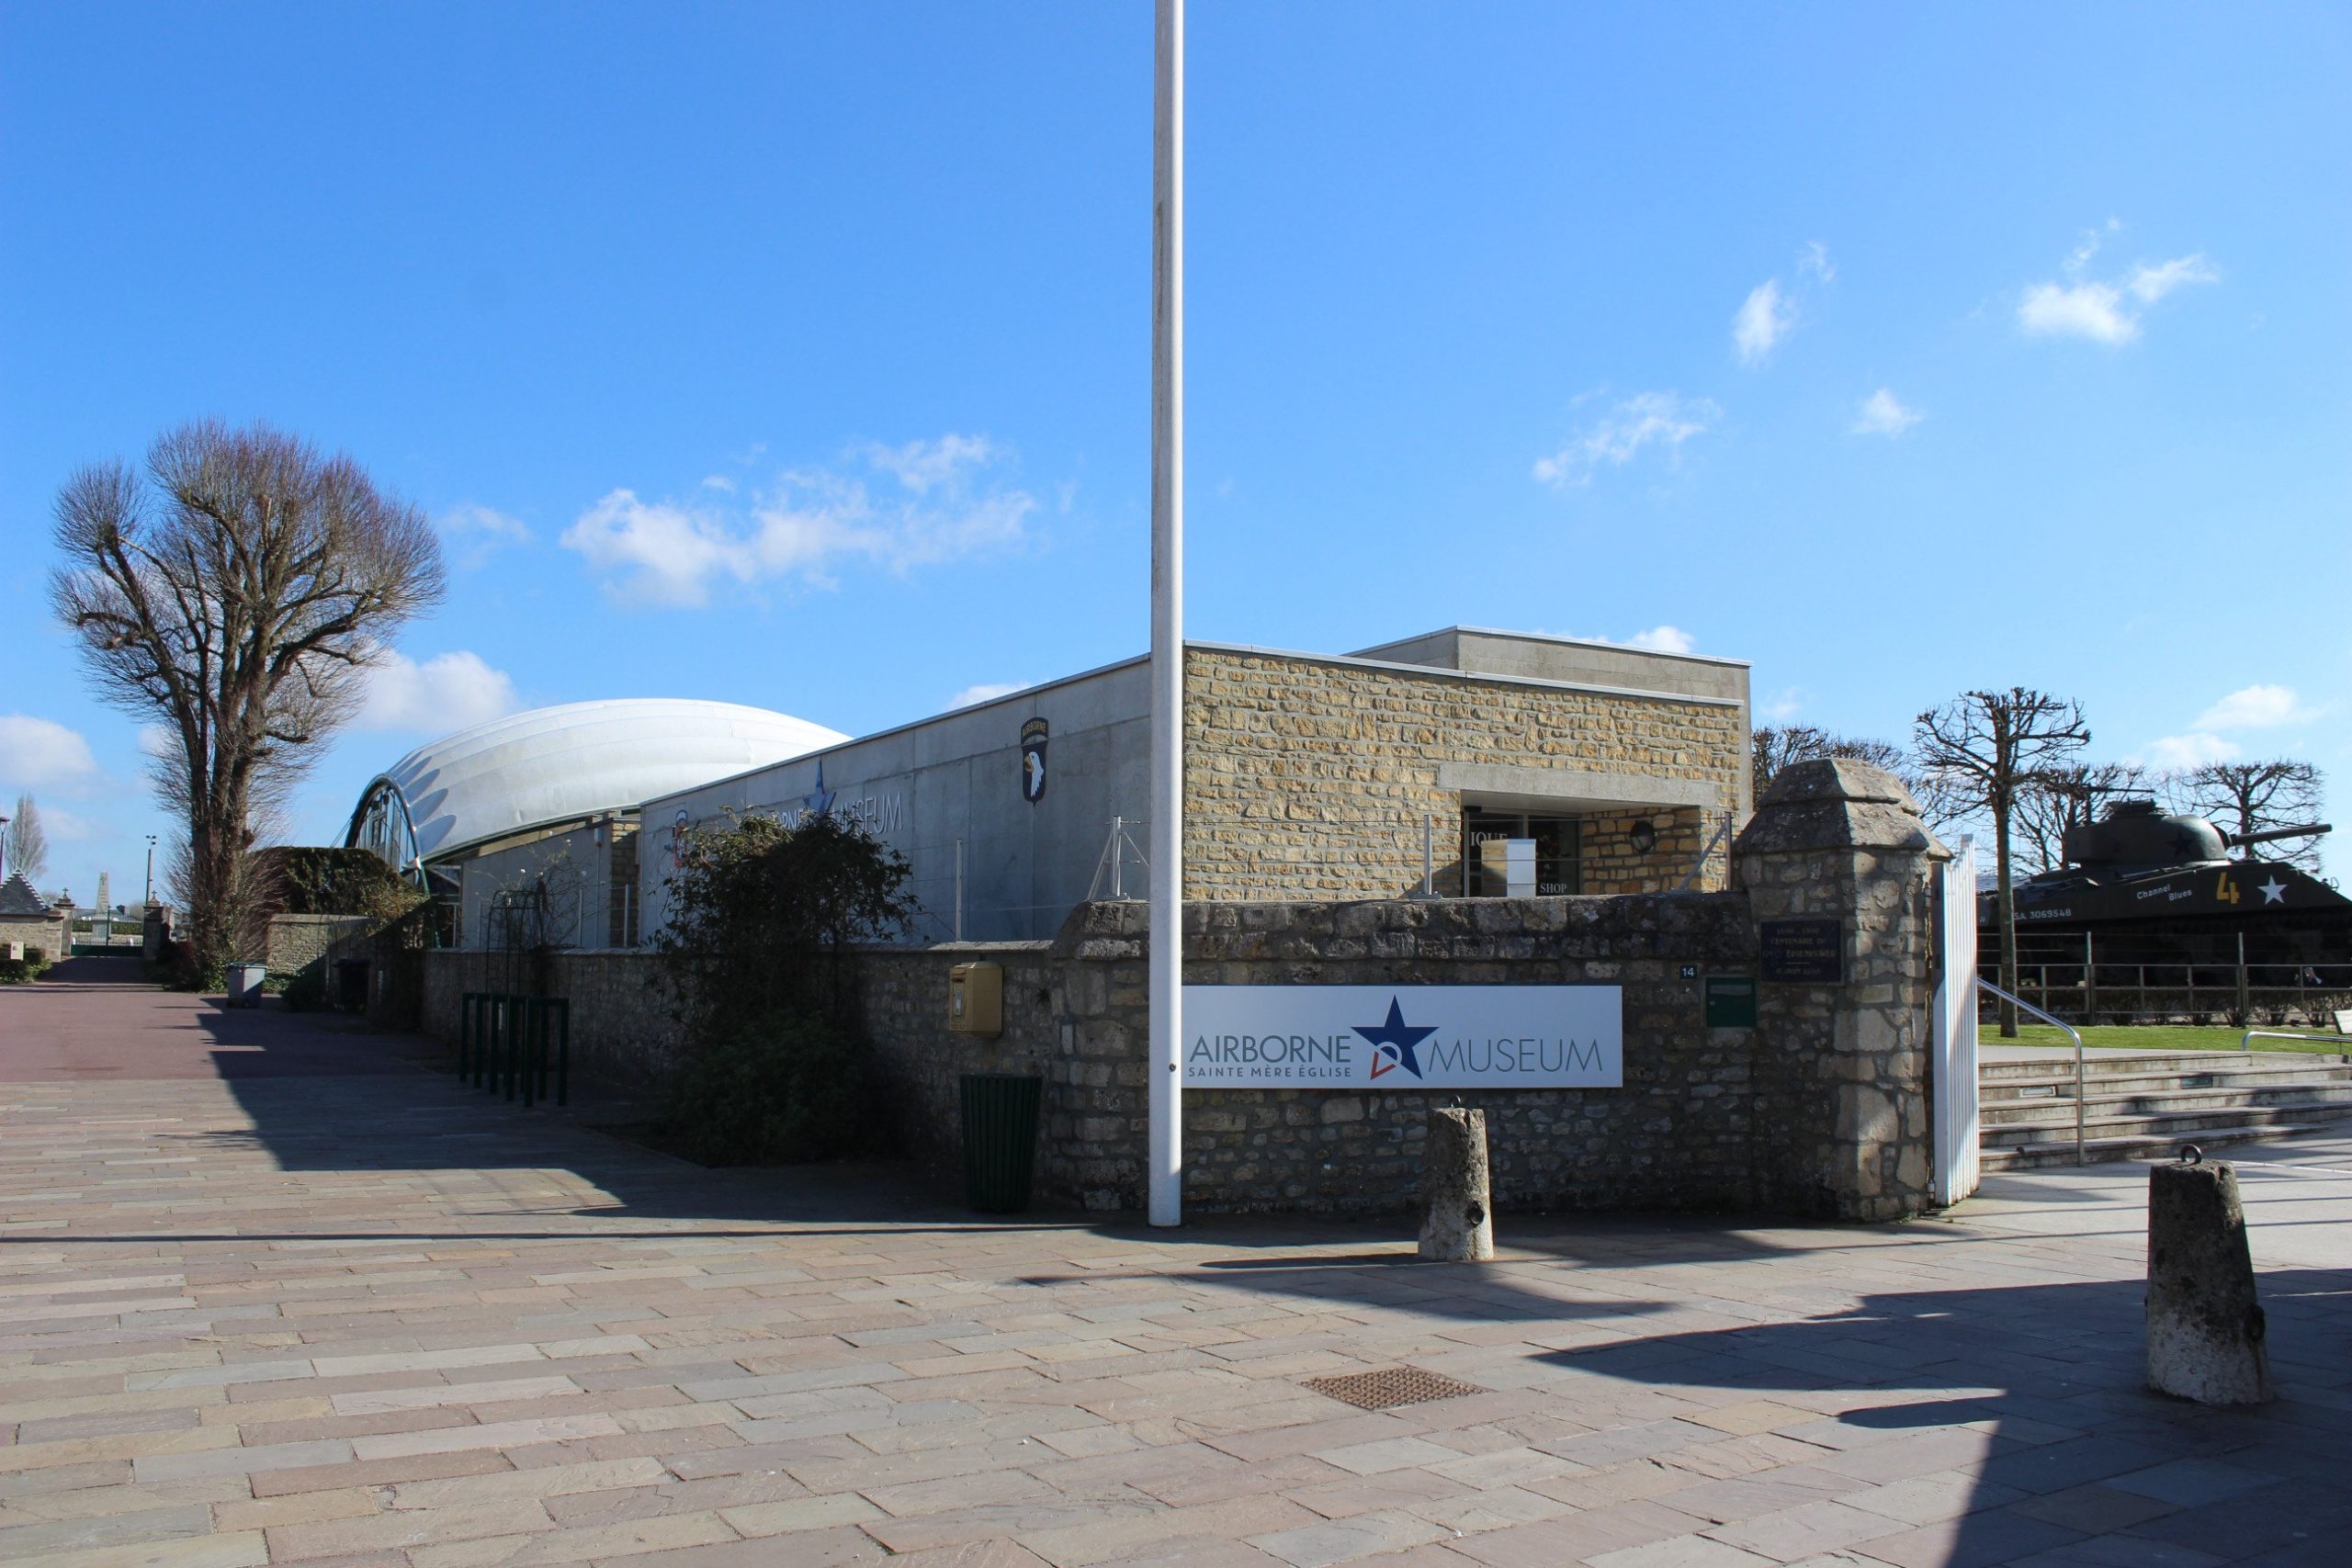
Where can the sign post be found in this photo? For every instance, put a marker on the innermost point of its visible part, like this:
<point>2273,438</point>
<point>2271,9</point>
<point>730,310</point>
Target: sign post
<point>1165,1199</point>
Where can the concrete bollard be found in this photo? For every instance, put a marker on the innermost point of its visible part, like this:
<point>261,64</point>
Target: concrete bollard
<point>2205,1328</point>
<point>1457,1218</point>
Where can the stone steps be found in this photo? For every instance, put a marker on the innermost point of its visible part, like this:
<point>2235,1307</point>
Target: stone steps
<point>2146,1105</point>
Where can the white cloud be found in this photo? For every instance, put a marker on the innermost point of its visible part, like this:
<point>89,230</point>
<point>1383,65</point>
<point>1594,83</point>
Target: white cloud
<point>1645,419</point>
<point>1662,639</point>
<point>448,691</point>
<point>1657,640</point>
<point>1783,706</point>
<point>1762,320</point>
<point>986,691</point>
<point>896,507</point>
<point>2150,284</point>
<point>71,827</point>
<point>2254,708</point>
<point>2100,310</point>
<point>40,753</point>
<point>472,532</point>
<point>922,466</point>
<point>667,552</point>
<point>2094,311</point>
<point>2248,707</point>
<point>718,482</point>
<point>1769,312</point>
<point>2187,752</point>
<point>1883,413</point>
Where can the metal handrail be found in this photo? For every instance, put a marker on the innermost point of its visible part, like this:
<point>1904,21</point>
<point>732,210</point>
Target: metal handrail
<point>2245,1040</point>
<point>2072,1033</point>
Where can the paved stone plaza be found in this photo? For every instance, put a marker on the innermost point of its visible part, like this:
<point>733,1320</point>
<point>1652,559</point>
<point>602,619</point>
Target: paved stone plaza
<point>272,1292</point>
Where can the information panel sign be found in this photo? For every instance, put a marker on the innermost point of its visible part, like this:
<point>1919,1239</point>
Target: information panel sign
<point>1802,951</point>
<point>1404,1036</point>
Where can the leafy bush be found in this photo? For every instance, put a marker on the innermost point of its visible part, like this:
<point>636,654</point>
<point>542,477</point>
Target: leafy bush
<point>306,988</point>
<point>777,1091</point>
<point>23,971</point>
<point>317,880</point>
<point>764,914</point>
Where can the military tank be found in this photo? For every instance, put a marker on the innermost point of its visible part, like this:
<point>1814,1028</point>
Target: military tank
<point>2141,862</point>
<point>2150,918</point>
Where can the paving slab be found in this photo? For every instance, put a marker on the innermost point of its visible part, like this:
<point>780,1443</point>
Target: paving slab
<point>275,1289</point>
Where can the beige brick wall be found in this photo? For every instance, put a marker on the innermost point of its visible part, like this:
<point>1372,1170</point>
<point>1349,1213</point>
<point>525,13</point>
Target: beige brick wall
<point>1309,780</point>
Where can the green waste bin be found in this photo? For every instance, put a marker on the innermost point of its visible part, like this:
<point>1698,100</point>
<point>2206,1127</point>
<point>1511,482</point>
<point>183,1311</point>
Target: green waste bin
<point>999,1139</point>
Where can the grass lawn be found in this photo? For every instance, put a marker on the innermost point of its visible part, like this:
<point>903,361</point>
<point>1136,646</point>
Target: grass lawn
<point>2158,1036</point>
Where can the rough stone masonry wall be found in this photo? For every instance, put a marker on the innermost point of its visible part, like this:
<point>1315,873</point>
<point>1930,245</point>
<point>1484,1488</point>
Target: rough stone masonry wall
<point>1822,1110</point>
<point>1314,777</point>
<point>297,942</point>
<point>47,935</point>
<point>1843,1092</point>
<point>622,1036</point>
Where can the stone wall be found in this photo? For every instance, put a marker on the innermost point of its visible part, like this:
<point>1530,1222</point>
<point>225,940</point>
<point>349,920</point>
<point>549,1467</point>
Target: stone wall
<point>47,935</point>
<point>1822,1109</point>
<point>1677,1134</point>
<point>622,1037</point>
<point>297,943</point>
<point>1314,776</point>
<point>1843,1095</point>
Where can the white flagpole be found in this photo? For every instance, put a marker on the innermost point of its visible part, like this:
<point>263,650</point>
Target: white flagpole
<point>1167,907</point>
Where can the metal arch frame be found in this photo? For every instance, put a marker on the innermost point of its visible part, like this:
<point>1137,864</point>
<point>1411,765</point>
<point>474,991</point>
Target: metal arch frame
<point>382,787</point>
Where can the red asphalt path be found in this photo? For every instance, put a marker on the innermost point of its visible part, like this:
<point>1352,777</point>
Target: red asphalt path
<point>93,1019</point>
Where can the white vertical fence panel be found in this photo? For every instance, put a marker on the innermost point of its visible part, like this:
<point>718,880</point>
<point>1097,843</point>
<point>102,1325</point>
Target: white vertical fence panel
<point>1952,1018</point>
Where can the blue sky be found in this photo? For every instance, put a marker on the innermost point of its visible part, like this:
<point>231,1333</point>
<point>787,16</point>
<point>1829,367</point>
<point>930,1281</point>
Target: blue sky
<point>797,356</point>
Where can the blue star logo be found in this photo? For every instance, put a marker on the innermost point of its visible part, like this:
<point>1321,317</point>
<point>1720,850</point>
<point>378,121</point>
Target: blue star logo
<point>1394,1043</point>
<point>820,799</point>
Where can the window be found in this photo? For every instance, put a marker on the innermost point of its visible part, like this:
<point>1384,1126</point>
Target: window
<point>1558,850</point>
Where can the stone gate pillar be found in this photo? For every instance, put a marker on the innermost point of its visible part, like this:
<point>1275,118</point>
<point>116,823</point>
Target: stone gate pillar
<point>1842,1127</point>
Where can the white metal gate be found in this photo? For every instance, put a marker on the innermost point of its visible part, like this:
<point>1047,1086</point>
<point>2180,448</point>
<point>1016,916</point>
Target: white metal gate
<point>1952,1025</point>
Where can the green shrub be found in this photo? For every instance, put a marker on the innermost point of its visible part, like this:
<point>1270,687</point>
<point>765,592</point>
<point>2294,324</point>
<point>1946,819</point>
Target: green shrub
<point>305,991</point>
<point>779,1091</point>
<point>26,970</point>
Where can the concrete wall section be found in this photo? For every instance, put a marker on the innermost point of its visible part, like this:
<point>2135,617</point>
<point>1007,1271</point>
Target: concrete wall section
<point>582,873</point>
<point>922,787</point>
<point>1306,777</point>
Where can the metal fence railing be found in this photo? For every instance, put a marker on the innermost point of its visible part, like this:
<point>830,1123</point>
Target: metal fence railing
<point>516,1046</point>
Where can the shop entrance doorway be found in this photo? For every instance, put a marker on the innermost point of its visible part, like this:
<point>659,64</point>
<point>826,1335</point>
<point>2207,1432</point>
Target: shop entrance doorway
<point>1559,842</point>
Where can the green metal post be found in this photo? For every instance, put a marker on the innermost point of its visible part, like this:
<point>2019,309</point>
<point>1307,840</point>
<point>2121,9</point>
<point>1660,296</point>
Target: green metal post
<point>563,1053</point>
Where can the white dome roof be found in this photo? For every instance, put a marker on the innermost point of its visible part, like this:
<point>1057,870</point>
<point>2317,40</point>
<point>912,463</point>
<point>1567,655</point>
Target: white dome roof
<point>560,764</point>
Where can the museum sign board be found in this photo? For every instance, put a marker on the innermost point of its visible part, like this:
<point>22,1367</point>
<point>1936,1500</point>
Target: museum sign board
<point>1404,1036</point>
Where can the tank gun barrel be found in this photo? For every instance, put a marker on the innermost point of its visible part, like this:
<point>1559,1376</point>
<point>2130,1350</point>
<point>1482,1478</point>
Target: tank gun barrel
<point>2268,835</point>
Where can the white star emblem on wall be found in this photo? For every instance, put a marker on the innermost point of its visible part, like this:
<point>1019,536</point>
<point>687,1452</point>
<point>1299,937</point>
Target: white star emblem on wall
<point>2273,891</point>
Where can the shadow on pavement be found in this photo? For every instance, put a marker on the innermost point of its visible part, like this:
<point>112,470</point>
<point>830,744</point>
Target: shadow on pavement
<point>2054,1375</point>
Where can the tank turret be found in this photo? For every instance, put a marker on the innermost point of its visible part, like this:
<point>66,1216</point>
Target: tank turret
<point>2136,835</point>
<point>2142,862</point>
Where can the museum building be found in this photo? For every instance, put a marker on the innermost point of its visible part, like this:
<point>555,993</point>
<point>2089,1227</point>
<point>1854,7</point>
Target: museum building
<point>1465,763</point>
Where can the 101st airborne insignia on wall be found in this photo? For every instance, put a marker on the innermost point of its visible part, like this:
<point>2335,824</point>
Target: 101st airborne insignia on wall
<point>1033,761</point>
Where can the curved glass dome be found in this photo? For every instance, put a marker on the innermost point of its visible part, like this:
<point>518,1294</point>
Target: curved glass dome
<point>556,765</point>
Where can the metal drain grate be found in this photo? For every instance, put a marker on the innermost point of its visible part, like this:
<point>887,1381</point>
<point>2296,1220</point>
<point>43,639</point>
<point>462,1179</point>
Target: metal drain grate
<point>1389,1387</point>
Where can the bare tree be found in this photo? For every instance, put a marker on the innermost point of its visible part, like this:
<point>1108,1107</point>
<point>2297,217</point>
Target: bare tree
<point>2068,796</point>
<point>238,594</point>
<point>1980,752</point>
<point>25,846</point>
<point>1772,748</point>
<point>2247,797</point>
